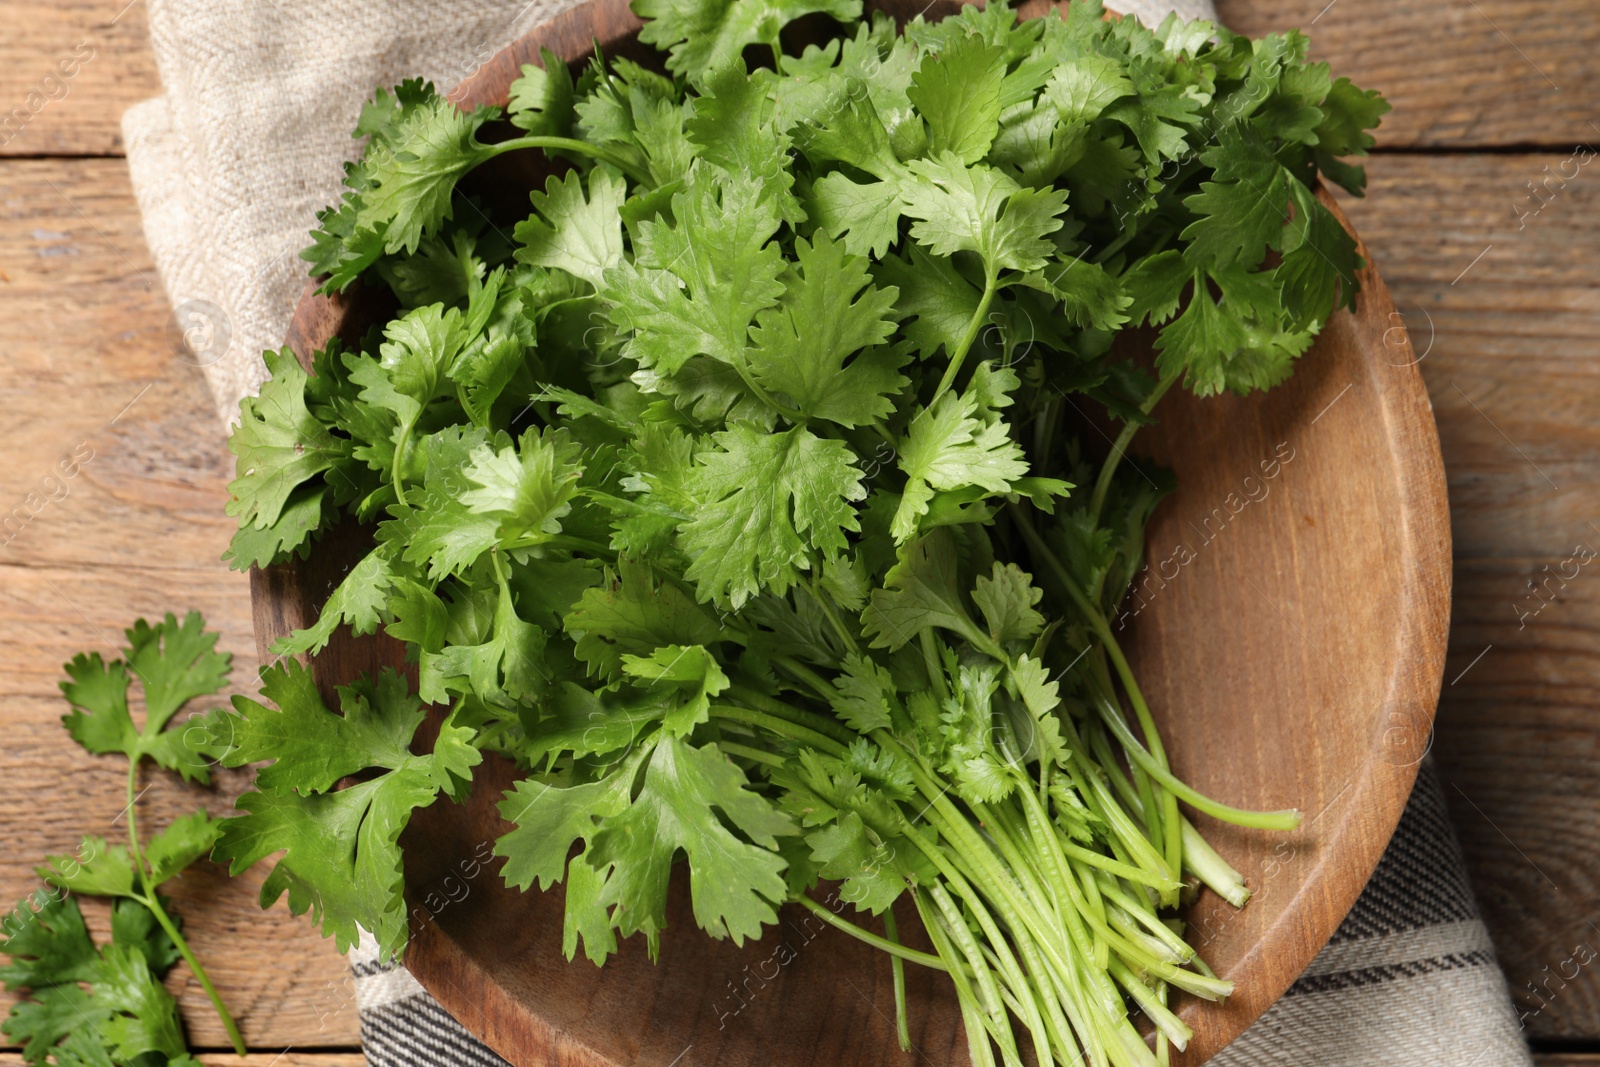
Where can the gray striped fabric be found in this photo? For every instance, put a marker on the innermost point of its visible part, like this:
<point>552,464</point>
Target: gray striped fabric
<point>1409,977</point>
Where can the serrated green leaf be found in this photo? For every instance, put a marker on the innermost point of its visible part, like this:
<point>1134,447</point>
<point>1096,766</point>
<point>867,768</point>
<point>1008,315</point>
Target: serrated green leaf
<point>174,663</point>
<point>342,858</point>
<point>735,884</point>
<point>580,236</point>
<point>955,444</point>
<point>770,505</point>
<point>957,92</point>
<point>689,669</point>
<point>1007,600</point>
<point>280,445</point>
<point>703,36</point>
<point>830,312</point>
<point>695,286</point>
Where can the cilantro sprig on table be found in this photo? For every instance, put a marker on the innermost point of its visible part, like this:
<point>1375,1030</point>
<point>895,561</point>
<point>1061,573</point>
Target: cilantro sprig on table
<point>95,1007</point>
<point>722,487</point>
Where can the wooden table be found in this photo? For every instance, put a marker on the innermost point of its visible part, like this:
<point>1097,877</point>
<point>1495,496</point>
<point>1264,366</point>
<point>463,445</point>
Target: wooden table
<point>1496,288</point>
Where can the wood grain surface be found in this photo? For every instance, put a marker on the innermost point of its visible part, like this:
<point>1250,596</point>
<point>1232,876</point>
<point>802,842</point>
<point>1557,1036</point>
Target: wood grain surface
<point>1510,364</point>
<point>138,531</point>
<point>1460,73</point>
<point>1511,370</point>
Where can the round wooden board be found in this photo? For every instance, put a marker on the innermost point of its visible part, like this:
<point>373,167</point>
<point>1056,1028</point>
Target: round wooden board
<point>1290,633</point>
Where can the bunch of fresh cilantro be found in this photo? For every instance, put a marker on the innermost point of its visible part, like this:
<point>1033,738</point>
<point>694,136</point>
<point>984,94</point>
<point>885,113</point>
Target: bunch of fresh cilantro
<point>721,486</point>
<point>99,1007</point>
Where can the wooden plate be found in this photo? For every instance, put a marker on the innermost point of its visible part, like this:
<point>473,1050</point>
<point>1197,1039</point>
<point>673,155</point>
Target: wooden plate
<point>1291,634</point>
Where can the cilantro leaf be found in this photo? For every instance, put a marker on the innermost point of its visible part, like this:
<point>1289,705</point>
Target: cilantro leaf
<point>630,613</point>
<point>175,663</point>
<point>734,128</point>
<point>119,1012</point>
<point>582,237</point>
<point>1320,264</point>
<point>828,312</point>
<point>528,489</point>
<point>280,445</point>
<point>735,884</point>
<point>690,669</point>
<point>695,286</point>
<point>99,869</point>
<point>957,92</point>
<point>411,178</point>
<point>768,503</point>
<point>502,666</point>
<point>702,36</point>
<point>958,442</point>
<point>1084,85</point>
<point>1244,210</point>
<point>541,100</point>
<point>1008,601</point>
<point>979,209</point>
<point>359,601</point>
<point>853,214</point>
<point>854,853</point>
<point>919,591</point>
<point>343,856</point>
<point>1347,113</point>
<point>548,819</point>
<point>935,302</point>
<point>864,692</point>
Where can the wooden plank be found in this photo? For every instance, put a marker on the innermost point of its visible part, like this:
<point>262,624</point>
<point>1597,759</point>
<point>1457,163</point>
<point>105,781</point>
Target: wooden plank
<point>1456,78</point>
<point>68,69</point>
<point>1506,311</point>
<point>1567,1059</point>
<point>1458,74</point>
<point>137,531</point>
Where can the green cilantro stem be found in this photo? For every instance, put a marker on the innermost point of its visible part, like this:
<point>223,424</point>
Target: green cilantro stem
<point>990,288</point>
<point>930,658</point>
<point>402,452</point>
<point>781,727</point>
<point>152,900</point>
<point>1047,844</point>
<point>1141,913</point>
<point>580,544</point>
<point>1287,819</point>
<point>1158,1013</point>
<point>818,684</point>
<point>988,989</point>
<point>1119,447</point>
<point>1206,864</point>
<point>1018,912</point>
<point>971,1012</point>
<point>893,947</point>
<point>1121,870</point>
<point>758,755</point>
<point>897,967</point>
<point>826,604</point>
<point>822,724</point>
<point>1152,764</point>
<point>568,144</point>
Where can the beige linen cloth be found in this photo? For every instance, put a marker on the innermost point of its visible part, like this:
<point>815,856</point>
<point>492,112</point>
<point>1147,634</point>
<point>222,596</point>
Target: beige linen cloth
<point>231,164</point>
